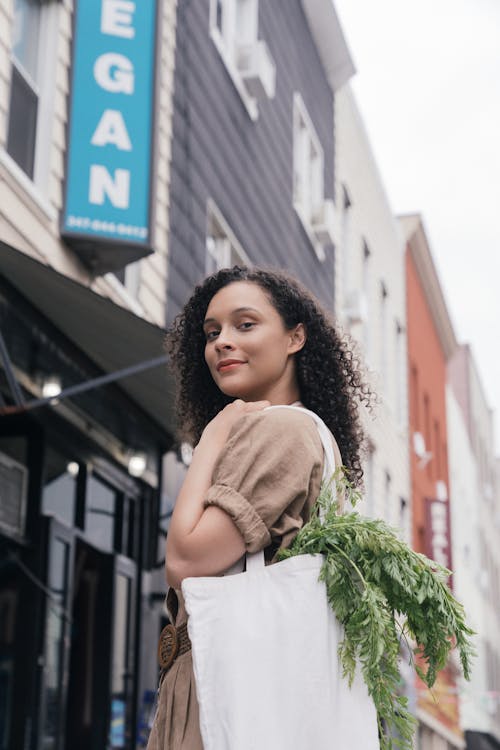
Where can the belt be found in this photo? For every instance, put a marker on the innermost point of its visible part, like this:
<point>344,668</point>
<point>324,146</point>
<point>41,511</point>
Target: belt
<point>173,643</point>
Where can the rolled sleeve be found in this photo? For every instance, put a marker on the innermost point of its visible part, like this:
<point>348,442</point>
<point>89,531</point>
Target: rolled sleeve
<point>262,478</point>
<point>251,526</point>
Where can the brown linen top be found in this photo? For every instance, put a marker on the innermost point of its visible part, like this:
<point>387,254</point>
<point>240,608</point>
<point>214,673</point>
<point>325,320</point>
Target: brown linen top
<point>267,478</point>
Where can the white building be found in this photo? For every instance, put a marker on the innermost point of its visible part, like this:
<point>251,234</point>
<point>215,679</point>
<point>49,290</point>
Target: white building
<point>370,294</point>
<point>476,543</point>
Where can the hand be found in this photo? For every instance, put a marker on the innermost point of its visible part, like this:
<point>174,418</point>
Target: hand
<point>218,429</point>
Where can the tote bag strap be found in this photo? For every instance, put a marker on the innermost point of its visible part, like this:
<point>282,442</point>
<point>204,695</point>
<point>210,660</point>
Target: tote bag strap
<point>329,465</point>
<point>256,561</point>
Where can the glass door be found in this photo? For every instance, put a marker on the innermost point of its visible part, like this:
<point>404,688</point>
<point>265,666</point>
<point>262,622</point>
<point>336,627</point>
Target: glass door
<point>55,666</point>
<point>123,685</point>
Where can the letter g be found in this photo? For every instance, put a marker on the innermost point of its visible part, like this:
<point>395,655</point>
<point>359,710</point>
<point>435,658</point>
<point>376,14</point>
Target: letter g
<point>114,73</point>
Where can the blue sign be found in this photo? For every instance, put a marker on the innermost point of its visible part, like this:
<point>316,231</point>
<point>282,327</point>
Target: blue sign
<point>108,178</point>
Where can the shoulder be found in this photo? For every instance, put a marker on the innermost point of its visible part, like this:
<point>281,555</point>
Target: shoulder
<point>280,423</point>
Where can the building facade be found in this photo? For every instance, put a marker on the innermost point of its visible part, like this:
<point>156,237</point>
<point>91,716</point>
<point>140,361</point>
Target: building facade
<point>370,304</point>
<point>86,406</point>
<point>252,162</point>
<point>431,343</point>
<point>476,541</point>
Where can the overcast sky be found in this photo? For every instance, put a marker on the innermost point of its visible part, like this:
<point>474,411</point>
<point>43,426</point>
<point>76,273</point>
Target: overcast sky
<point>428,86</point>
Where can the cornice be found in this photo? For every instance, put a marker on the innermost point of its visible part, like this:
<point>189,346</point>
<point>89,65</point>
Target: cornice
<point>419,248</point>
<point>330,41</point>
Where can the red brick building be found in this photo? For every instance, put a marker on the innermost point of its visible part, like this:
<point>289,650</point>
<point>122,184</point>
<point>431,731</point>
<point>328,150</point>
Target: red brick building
<point>431,342</point>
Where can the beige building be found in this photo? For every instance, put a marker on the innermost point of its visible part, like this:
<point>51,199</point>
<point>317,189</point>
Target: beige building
<point>85,405</point>
<point>35,60</point>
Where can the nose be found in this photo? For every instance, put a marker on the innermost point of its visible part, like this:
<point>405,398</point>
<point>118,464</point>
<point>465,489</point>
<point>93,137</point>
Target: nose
<point>223,340</point>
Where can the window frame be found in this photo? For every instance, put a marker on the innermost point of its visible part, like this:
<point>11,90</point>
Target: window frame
<point>225,43</point>
<point>216,219</point>
<point>303,121</point>
<point>44,88</point>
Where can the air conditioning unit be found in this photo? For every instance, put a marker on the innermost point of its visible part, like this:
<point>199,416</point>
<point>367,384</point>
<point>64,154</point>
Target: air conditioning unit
<point>356,307</point>
<point>13,494</point>
<point>324,223</point>
<point>441,491</point>
<point>257,69</point>
<point>420,450</point>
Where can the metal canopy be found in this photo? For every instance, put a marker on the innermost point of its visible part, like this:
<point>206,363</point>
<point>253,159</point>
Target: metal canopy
<point>111,336</point>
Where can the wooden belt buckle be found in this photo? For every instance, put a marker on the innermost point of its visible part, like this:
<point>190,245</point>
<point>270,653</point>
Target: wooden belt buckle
<point>167,647</point>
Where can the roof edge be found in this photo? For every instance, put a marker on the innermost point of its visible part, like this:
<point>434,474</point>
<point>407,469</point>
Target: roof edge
<point>418,244</point>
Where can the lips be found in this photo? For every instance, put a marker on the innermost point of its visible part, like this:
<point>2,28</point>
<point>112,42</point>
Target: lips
<point>228,364</point>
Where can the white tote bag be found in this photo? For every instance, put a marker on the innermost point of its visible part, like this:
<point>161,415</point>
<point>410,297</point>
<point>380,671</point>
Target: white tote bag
<point>265,657</point>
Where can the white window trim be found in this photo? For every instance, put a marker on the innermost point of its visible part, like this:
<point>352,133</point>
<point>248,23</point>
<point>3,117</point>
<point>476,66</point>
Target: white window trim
<point>26,188</point>
<point>249,102</point>
<point>45,91</point>
<point>299,108</point>
<point>215,214</point>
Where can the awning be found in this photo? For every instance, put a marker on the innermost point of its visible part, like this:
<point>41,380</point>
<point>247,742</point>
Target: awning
<point>481,741</point>
<point>112,337</point>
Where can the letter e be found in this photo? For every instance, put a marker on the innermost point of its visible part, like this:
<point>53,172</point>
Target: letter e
<point>117,18</point>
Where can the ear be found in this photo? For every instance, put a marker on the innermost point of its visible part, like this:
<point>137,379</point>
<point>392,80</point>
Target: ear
<point>297,338</point>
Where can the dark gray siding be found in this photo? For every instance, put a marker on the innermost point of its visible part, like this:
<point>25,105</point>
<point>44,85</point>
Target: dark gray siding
<point>244,166</point>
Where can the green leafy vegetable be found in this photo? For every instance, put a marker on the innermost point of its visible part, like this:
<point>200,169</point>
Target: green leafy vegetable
<point>382,591</point>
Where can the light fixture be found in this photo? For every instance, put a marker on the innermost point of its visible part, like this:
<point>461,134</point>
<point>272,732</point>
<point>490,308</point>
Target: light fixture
<point>137,463</point>
<point>51,386</point>
<point>72,468</point>
<point>186,453</point>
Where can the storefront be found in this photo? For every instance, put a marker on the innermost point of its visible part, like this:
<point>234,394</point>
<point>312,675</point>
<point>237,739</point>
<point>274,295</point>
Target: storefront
<point>80,506</point>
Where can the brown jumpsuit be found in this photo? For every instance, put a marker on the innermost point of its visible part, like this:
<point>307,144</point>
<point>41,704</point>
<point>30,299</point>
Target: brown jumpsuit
<point>267,478</point>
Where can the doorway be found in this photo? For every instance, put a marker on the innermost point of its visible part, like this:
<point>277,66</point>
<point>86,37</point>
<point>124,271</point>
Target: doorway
<point>87,715</point>
<point>100,700</point>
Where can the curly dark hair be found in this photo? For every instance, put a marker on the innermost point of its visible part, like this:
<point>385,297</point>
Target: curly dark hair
<point>328,367</point>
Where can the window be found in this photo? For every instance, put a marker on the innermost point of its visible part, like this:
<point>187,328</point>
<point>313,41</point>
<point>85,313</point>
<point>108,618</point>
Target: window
<point>222,248</point>
<point>415,398</point>
<point>369,481</point>
<point>427,430</point>
<point>234,26</point>
<point>59,486</point>
<point>24,91</point>
<point>33,69</point>
<point>399,374</point>
<point>316,214</point>
<point>403,519</point>
<point>345,239</point>
<point>437,449</point>
<point>365,283</point>
<point>307,163</point>
<point>101,508</point>
<point>387,497</point>
<point>384,365</point>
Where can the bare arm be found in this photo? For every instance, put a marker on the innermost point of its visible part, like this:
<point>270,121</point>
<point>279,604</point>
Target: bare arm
<point>205,541</point>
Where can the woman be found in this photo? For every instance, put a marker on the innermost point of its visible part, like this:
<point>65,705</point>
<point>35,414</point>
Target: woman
<point>248,338</point>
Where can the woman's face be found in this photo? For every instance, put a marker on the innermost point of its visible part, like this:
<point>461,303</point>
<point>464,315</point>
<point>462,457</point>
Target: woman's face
<point>248,349</point>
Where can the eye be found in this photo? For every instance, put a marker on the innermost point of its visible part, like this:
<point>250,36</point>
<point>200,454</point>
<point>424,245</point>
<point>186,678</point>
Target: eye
<point>246,325</point>
<point>210,335</point>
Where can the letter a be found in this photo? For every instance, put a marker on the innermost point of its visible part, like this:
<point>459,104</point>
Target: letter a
<point>112,129</point>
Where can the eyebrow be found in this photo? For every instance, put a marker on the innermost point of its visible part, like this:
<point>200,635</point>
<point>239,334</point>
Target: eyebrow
<point>238,310</point>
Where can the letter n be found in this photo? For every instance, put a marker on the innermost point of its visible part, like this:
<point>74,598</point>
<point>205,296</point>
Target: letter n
<point>103,185</point>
